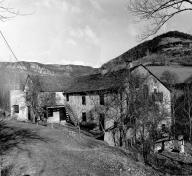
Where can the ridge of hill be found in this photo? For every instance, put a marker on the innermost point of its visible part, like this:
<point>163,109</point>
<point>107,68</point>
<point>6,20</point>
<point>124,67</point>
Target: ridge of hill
<point>47,69</point>
<point>171,47</point>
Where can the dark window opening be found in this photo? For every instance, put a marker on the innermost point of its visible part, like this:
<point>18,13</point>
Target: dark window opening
<point>102,101</point>
<point>157,96</point>
<point>67,97</point>
<point>50,112</point>
<point>83,100</point>
<point>145,91</point>
<point>102,122</point>
<point>84,118</point>
<point>16,108</point>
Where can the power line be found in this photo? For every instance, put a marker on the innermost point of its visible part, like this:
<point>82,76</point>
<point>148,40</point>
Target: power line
<point>9,47</point>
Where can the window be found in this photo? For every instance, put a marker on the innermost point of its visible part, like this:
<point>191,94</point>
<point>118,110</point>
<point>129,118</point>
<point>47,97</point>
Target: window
<point>102,122</point>
<point>16,108</point>
<point>67,97</point>
<point>102,101</point>
<point>145,91</point>
<point>83,100</point>
<point>50,112</point>
<point>84,118</point>
<point>157,96</point>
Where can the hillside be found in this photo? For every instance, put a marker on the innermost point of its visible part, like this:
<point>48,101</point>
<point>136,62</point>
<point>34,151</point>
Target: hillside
<point>46,69</point>
<point>13,75</point>
<point>172,47</point>
<point>37,150</point>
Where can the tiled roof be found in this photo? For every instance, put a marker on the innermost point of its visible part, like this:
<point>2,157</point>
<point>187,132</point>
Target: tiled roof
<point>50,83</point>
<point>99,82</point>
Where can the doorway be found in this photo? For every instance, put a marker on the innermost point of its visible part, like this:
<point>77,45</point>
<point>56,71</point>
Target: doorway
<point>62,114</point>
<point>29,113</point>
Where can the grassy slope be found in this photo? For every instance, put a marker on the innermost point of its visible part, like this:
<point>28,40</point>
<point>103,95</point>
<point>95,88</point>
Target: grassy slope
<point>38,150</point>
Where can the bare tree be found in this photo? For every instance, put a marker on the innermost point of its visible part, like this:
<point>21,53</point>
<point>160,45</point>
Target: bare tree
<point>131,107</point>
<point>157,12</point>
<point>6,12</point>
<point>169,77</point>
<point>188,107</point>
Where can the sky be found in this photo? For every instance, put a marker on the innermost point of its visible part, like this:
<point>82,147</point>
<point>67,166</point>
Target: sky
<point>81,32</point>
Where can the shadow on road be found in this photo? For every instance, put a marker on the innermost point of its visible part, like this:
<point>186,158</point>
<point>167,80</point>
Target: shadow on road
<point>11,137</point>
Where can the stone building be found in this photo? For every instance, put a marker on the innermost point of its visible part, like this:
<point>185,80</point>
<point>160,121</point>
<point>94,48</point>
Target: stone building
<point>92,97</point>
<point>45,92</point>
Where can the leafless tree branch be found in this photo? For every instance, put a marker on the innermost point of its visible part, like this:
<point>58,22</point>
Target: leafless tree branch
<point>157,12</point>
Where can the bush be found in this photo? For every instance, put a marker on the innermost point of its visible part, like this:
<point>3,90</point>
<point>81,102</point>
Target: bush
<point>6,171</point>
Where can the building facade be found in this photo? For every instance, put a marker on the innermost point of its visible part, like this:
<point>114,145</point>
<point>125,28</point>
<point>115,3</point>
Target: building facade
<point>42,92</point>
<point>97,98</point>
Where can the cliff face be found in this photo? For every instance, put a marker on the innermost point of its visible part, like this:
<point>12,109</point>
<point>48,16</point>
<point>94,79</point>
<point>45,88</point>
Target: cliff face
<point>174,46</point>
<point>13,75</point>
<point>49,69</point>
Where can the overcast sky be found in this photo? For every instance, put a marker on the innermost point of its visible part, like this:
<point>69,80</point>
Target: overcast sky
<point>86,32</point>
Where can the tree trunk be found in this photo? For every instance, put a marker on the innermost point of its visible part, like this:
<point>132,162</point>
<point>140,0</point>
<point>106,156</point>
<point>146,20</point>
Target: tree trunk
<point>190,132</point>
<point>121,137</point>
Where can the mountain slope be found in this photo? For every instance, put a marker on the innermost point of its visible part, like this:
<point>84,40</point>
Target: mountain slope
<point>173,45</point>
<point>47,69</point>
<point>62,151</point>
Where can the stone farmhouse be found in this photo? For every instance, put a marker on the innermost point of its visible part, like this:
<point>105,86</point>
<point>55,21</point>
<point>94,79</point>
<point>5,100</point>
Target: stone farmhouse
<point>86,98</point>
<point>44,91</point>
<point>91,97</point>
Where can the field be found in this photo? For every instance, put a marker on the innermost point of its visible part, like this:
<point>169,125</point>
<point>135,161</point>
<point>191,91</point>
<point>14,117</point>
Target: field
<point>33,150</point>
<point>183,73</point>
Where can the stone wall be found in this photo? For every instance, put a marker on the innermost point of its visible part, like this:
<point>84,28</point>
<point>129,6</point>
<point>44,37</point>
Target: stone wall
<point>154,84</point>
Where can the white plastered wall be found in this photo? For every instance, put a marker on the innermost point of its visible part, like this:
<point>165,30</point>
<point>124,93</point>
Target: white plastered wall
<point>18,97</point>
